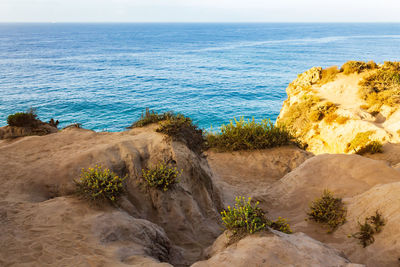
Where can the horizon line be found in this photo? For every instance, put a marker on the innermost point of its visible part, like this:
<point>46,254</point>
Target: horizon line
<point>202,22</point>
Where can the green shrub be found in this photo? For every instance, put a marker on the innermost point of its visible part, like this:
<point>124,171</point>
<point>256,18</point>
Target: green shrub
<point>250,135</point>
<point>98,184</point>
<point>357,67</point>
<point>23,119</point>
<point>362,144</point>
<point>150,117</point>
<point>328,210</point>
<point>381,87</point>
<point>280,225</point>
<point>244,217</point>
<point>371,226</point>
<point>328,74</point>
<point>182,129</point>
<point>161,176</point>
<point>247,218</point>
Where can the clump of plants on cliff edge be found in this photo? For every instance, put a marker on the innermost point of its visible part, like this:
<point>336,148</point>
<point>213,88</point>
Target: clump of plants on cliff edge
<point>372,225</point>
<point>176,126</point>
<point>362,144</point>
<point>328,210</point>
<point>150,116</point>
<point>247,218</point>
<point>162,176</point>
<point>98,184</point>
<point>357,67</point>
<point>250,135</point>
<point>182,129</point>
<point>382,87</point>
<point>23,119</point>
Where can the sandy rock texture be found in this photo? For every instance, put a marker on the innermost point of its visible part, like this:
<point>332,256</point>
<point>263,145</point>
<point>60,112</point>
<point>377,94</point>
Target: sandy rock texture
<point>243,173</point>
<point>273,249</point>
<point>365,185</point>
<point>44,223</point>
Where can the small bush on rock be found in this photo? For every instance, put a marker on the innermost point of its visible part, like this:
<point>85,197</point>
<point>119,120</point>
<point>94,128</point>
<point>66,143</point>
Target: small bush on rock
<point>162,176</point>
<point>280,225</point>
<point>371,226</point>
<point>98,184</point>
<point>23,119</point>
<point>250,135</point>
<point>182,129</point>
<point>244,217</point>
<point>328,210</point>
<point>247,218</point>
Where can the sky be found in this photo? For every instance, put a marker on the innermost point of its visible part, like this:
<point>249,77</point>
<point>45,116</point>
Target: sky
<point>199,11</point>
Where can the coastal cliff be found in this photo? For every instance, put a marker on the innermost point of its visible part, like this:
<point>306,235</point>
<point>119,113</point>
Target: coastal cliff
<point>45,222</point>
<point>328,108</point>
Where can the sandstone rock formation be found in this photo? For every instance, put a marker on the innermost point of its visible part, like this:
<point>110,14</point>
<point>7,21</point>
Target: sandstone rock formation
<point>311,94</point>
<point>44,223</point>
<point>365,185</point>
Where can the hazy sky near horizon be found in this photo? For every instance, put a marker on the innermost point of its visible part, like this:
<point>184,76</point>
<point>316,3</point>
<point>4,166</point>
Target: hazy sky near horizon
<point>199,11</point>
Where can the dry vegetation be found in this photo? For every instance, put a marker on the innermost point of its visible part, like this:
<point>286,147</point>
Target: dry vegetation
<point>357,67</point>
<point>382,86</point>
<point>362,144</point>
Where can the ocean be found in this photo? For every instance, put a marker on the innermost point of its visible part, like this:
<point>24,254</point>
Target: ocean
<point>105,75</point>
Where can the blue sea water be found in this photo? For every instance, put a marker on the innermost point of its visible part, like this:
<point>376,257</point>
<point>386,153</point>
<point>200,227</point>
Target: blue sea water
<point>105,75</point>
